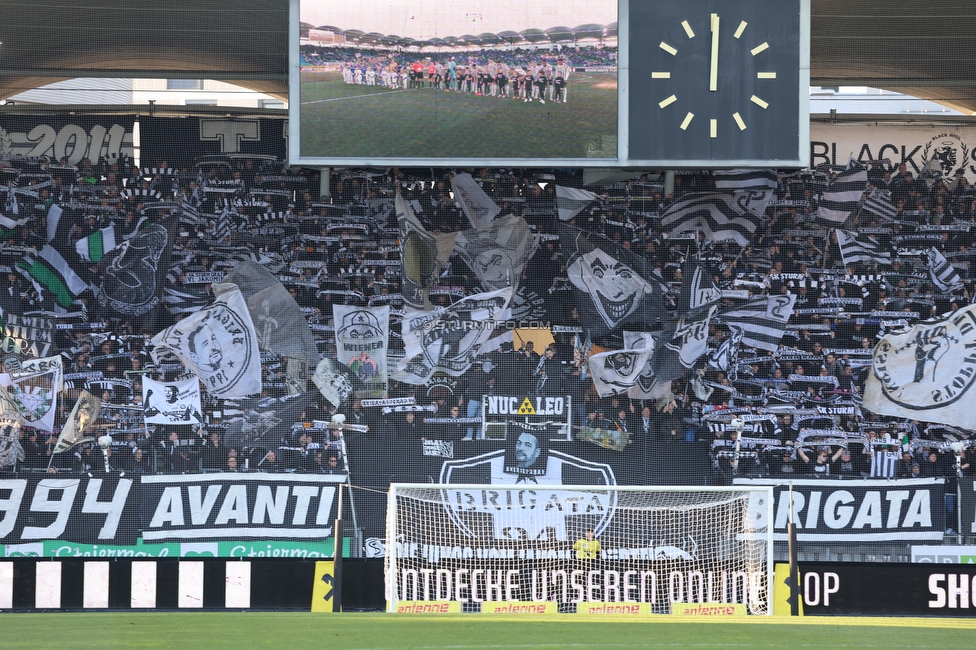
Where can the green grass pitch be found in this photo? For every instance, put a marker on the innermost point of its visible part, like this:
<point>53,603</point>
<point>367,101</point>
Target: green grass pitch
<point>342,120</point>
<point>349,631</point>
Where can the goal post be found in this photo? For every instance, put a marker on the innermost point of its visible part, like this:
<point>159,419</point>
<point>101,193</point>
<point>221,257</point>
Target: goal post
<point>535,548</point>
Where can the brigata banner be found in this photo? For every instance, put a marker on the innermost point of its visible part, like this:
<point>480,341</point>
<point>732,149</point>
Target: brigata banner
<point>79,509</point>
<point>209,507</point>
<point>859,511</point>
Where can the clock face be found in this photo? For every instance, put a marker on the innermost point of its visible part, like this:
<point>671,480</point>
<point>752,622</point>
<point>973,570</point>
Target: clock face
<point>715,80</point>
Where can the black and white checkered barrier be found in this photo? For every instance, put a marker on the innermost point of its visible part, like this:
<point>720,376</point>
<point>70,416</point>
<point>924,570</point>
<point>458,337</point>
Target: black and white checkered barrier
<point>122,583</point>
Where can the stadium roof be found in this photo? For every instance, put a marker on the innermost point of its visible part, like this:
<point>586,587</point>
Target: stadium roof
<point>917,47</point>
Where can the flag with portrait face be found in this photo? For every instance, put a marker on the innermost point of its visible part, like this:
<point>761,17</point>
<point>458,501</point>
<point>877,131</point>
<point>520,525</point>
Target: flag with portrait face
<point>527,452</point>
<point>617,371</point>
<point>648,385</point>
<point>218,344</point>
<point>171,402</point>
<point>611,285</point>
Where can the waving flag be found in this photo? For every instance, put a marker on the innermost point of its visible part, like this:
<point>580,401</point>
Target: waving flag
<point>278,320</point>
<point>617,371</point>
<point>745,179</point>
<point>133,273</point>
<point>843,193</point>
<point>218,344</point>
<point>34,395</point>
<point>497,254</point>
<point>926,372</point>
<point>698,289</point>
<point>52,272</point>
<point>861,248</point>
<point>362,336</point>
<point>718,215</point>
<point>612,286</point>
<point>762,320</point>
<point>878,203</point>
<point>93,247</point>
<point>685,343</point>
<point>942,274</point>
<point>423,254</point>
<point>78,428</point>
<point>476,205</point>
<point>570,201</point>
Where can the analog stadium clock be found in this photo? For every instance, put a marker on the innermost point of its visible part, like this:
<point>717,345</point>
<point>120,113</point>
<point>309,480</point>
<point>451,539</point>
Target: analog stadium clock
<point>719,82</point>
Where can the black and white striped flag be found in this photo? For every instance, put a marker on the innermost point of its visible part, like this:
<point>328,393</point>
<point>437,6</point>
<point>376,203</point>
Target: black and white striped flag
<point>221,227</point>
<point>942,274</point>
<point>861,249</point>
<point>762,320</point>
<point>843,193</point>
<point>878,203</point>
<point>745,179</point>
<point>718,215</point>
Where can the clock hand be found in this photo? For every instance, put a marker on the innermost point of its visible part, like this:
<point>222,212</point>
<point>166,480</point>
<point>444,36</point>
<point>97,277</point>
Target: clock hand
<point>713,71</point>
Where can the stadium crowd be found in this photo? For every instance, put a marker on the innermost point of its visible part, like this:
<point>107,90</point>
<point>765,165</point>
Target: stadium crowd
<point>343,248</point>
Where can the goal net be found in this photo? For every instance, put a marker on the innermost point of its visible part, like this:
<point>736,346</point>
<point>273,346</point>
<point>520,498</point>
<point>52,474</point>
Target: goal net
<point>534,549</point>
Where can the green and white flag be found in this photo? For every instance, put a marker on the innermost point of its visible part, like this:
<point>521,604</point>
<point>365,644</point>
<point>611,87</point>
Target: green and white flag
<point>93,247</point>
<point>52,272</point>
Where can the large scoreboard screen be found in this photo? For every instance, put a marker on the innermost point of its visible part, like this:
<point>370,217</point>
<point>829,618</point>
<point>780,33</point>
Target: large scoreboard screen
<point>501,82</point>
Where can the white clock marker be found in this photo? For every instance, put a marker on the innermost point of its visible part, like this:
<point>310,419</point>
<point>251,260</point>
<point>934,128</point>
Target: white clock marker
<point>713,128</point>
<point>667,102</point>
<point>688,118</point>
<point>713,69</point>
<point>740,29</point>
<point>738,120</point>
<point>765,75</point>
<point>688,29</point>
<point>660,75</point>
<point>760,48</point>
<point>758,102</point>
<point>667,48</point>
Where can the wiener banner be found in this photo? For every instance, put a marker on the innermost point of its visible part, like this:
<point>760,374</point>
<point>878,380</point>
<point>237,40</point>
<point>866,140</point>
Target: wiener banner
<point>75,137</point>
<point>210,507</point>
<point>946,148</point>
<point>80,509</point>
<point>858,511</point>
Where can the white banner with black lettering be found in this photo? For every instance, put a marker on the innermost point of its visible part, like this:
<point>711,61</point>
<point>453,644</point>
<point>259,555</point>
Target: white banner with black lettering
<point>950,148</point>
<point>238,506</point>
<point>858,511</point>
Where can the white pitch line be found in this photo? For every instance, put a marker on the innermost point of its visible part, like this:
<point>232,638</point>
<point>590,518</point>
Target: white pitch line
<point>339,99</point>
